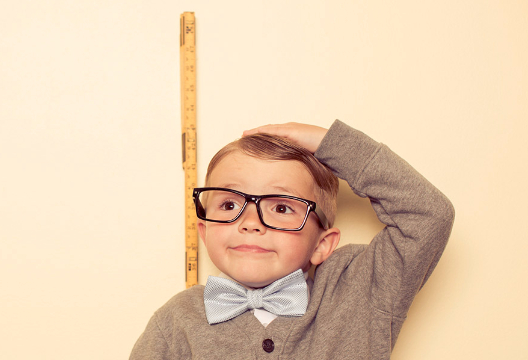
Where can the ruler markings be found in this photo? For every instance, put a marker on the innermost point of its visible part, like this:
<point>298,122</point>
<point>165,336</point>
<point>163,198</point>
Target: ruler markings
<point>188,119</point>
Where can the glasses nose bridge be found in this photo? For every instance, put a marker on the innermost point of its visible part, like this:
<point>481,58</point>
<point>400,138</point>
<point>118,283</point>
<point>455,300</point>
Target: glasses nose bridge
<point>253,198</point>
<point>256,200</point>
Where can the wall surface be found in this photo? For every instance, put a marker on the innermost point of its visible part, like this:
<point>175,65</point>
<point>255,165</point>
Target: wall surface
<point>91,184</point>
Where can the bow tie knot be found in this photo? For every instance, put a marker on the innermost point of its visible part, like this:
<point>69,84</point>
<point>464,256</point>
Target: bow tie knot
<point>255,300</point>
<point>225,299</point>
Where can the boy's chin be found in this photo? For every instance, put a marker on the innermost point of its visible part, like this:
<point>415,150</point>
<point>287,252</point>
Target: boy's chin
<point>253,280</point>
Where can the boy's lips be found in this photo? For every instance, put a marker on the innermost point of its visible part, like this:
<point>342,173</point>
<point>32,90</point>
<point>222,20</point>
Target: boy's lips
<point>251,248</point>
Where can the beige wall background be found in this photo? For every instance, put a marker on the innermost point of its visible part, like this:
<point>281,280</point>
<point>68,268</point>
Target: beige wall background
<point>91,184</point>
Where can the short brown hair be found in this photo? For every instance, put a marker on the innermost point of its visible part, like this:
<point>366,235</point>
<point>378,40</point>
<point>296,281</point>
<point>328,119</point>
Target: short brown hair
<point>270,147</point>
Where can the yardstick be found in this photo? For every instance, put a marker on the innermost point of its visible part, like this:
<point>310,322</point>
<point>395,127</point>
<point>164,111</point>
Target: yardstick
<point>188,121</point>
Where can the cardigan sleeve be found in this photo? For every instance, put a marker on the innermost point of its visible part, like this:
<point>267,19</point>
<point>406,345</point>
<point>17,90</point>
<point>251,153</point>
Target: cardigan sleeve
<point>418,217</point>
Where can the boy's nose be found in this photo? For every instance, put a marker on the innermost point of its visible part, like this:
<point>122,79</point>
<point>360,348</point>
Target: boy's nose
<point>250,221</point>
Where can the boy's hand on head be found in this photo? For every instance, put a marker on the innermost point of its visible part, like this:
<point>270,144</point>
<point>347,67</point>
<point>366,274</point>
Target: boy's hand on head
<point>307,136</point>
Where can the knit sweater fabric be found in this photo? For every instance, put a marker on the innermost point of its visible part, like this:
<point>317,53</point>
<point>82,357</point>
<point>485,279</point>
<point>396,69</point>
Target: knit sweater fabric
<point>360,295</point>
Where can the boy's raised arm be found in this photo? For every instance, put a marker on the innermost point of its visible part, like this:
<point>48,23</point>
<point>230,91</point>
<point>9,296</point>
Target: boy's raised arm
<point>418,217</point>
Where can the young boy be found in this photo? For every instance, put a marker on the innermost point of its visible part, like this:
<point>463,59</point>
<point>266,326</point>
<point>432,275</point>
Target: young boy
<point>264,305</point>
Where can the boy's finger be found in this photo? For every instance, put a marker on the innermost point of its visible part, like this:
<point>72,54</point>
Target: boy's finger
<point>249,132</point>
<point>270,129</point>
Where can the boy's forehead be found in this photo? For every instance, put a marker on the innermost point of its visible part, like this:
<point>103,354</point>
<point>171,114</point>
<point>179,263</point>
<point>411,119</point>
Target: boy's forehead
<point>258,176</point>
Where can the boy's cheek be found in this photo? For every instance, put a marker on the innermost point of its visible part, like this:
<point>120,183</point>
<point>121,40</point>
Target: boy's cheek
<point>215,231</point>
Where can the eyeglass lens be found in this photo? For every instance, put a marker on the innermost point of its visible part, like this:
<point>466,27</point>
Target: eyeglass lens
<point>277,212</point>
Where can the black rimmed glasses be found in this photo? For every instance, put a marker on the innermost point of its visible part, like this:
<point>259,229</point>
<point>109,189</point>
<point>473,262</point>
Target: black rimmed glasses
<point>279,212</point>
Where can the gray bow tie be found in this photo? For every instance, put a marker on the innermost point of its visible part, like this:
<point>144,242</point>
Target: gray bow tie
<point>225,299</point>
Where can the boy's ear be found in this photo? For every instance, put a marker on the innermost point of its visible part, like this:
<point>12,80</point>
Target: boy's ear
<point>201,229</point>
<point>327,244</point>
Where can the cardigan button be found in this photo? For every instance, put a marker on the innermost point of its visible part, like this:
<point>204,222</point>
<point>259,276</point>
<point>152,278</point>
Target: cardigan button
<point>268,345</point>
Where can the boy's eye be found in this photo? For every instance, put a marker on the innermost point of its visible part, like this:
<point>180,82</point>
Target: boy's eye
<point>229,206</point>
<point>282,209</point>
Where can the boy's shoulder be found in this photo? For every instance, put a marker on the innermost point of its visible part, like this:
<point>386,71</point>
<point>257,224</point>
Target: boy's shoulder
<point>185,305</point>
<point>343,255</point>
<point>331,269</point>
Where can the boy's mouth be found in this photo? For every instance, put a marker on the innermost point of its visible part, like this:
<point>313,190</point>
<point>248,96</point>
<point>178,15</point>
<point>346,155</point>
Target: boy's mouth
<point>250,248</point>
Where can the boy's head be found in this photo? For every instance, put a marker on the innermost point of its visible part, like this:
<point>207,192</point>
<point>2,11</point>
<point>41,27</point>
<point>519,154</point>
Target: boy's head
<point>246,249</point>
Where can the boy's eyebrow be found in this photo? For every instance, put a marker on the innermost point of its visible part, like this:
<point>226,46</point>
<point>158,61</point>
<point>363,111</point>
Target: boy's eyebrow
<point>286,190</point>
<point>231,186</point>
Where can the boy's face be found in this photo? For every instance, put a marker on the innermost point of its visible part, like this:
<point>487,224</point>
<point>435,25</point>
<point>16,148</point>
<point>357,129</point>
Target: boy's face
<point>246,250</point>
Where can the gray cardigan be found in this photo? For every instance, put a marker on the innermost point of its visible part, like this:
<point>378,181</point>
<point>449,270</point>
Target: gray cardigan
<point>361,293</point>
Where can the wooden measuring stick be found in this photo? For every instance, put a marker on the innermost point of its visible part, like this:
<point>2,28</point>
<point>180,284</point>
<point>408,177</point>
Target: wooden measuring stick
<point>188,120</point>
